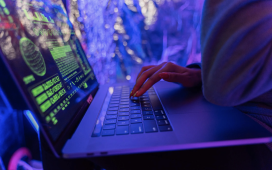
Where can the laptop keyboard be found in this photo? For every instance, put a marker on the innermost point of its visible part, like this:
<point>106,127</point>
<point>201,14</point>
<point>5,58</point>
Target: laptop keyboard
<point>123,116</point>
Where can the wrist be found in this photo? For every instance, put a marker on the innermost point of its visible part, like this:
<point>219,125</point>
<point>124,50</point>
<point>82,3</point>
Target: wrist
<point>196,74</point>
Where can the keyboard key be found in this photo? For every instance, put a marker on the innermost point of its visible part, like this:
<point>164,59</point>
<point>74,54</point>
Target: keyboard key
<point>110,126</point>
<point>135,116</point>
<point>122,130</point>
<point>134,98</point>
<point>113,108</point>
<point>135,111</point>
<point>123,123</point>
<point>134,104</point>
<point>123,118</point>
<point>147,113</point>
<point>146,105</point>
<point>134,101</point>
<point>162,117</point>
<point>163,122</point>
<point>108,132</point>
<point>114,102</point>
<point>145,102</point>
<point>148,117</point>
<point>124,106</point>
<point>159,112</point>
<point>150,126</point>
<point>146,108</point>
<point>124,100</point>
<point>165,128</point>
<point>143,97</point>
<point>116,93</point>
<point>136,128</point>
<point>115,99</point>
<point>113,105</point>
<point>112,112</point>
<point>111,116</point>
<point>123,113</point>
<point>135,108</point>
<point>123,109</point>
<point>124,103</point>
<point>110,121</point>
<point>138,120</point>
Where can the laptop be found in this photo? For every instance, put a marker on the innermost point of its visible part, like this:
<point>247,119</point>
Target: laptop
<point>44,69</point>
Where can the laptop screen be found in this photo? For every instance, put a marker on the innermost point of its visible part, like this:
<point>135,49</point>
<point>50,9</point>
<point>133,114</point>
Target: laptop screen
<point>41,50</point>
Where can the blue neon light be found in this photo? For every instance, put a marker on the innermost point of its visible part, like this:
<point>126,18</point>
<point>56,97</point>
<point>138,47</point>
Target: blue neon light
<point>32,120</point>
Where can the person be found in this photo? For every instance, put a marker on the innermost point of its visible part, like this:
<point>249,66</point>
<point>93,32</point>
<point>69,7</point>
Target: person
<point>236,47</point>
<point>235,69</point>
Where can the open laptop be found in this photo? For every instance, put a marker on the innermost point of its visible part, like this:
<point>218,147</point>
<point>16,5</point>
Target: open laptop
<point>44,69</point>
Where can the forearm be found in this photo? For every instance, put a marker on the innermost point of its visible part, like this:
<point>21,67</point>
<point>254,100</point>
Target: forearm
<point>236,41</point>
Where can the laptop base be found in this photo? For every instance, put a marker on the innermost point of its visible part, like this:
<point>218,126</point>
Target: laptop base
<point>197,124</point>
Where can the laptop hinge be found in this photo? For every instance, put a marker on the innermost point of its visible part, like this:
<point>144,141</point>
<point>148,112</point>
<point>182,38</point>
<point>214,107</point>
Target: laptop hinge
<point>70,129</point>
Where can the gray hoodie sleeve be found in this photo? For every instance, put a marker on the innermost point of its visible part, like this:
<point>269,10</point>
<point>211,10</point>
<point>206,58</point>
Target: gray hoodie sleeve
<point>236,42</point>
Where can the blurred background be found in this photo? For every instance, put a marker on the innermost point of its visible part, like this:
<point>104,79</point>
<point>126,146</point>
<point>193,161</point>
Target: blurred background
<point>119,37</point>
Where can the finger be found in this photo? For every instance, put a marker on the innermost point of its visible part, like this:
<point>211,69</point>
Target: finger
<point>143,70</point>
<point>172,77</point>
<point>145,75</point>
<point>169,67</point>
<point>187,79</point>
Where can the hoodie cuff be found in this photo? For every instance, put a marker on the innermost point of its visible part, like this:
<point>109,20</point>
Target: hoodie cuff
<point>194,65</point>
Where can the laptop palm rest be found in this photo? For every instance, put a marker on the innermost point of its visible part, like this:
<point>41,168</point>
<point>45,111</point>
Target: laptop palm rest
<point>202,124</point>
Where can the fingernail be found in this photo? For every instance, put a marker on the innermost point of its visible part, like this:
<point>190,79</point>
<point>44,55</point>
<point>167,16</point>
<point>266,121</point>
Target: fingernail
<point>135,94</point>
<point>164,75</point>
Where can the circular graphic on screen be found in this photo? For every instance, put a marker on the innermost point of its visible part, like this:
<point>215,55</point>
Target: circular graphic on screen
<point>32,56</point>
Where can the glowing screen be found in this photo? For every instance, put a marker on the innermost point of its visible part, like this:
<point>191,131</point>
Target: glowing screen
<point>39,46</point>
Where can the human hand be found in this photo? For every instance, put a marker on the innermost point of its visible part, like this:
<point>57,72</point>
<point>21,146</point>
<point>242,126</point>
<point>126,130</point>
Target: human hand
<point>149,75</point>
